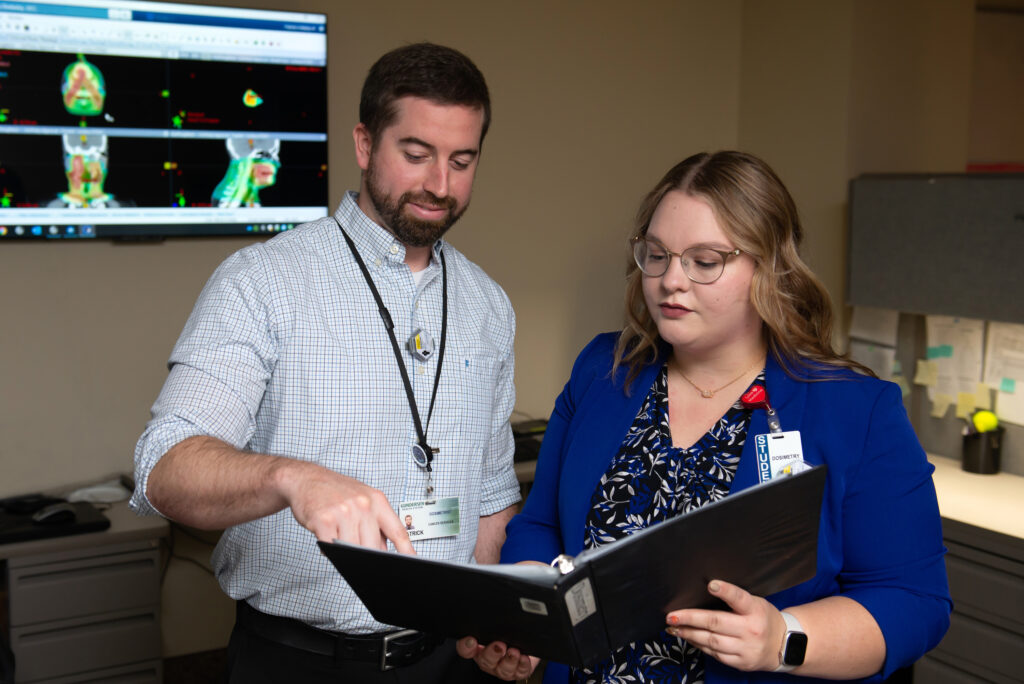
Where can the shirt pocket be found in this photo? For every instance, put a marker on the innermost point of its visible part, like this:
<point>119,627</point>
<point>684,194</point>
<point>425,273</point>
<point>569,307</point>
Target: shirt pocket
<point>474,381</point>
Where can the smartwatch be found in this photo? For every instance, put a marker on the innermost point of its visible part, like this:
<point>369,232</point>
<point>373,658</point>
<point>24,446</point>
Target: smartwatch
<point>794,645</point>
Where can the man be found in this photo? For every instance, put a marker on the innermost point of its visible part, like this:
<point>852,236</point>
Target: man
<point>289,405</point>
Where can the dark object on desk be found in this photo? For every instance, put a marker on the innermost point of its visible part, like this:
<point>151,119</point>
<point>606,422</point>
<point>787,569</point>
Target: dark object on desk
<point>981,451</point>
<point>27,503</point>
<point>606,597</point>
<point>63,513</point>
<point>528,435</point>
<point>19,527</point>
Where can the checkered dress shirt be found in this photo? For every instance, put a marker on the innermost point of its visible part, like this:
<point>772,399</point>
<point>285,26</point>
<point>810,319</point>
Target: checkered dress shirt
<point>285,353</point>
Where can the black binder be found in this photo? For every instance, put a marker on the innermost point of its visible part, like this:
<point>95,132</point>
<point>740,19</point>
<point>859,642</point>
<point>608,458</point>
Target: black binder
<point>763,538</point>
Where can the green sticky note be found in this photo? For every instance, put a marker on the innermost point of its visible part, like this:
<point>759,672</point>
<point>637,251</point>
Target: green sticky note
<point>1008,385</point>
<point>941,351</point>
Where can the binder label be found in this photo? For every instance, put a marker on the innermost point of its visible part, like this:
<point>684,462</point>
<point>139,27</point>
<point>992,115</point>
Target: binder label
<point>533,606</point>
<point>580,601</point>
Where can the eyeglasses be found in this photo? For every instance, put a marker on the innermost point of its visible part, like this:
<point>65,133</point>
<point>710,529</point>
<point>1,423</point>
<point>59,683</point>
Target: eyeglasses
<point>702,265</point>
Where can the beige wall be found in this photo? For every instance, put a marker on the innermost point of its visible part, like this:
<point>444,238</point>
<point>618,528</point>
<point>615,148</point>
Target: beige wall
<point>593,102</point>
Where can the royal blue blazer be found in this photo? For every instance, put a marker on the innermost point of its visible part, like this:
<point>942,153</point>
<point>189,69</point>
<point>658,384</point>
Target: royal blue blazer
<point>880,535</point>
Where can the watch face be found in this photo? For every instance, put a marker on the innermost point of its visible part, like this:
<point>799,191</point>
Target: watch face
<point>796,648</point>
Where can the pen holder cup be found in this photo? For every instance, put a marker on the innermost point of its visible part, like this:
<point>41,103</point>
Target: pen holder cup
<point>981,451</point>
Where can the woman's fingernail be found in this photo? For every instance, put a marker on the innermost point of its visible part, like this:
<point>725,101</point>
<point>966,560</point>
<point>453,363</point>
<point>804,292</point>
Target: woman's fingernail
<point>673,620</point>
<point>715,587</point>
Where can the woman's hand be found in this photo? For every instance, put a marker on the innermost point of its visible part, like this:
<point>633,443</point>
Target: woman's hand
<point>497,659</point>
<point>748,638</point>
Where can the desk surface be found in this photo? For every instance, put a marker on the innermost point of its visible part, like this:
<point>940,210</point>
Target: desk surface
<point>125,526</point>
<point>993,502</point>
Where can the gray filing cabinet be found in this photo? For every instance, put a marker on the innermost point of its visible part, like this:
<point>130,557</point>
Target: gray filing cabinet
<point>985,642</point>
<point>86,608</point>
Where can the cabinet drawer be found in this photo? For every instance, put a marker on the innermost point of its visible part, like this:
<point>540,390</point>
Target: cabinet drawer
<point>57,649</point>
<point>928,671</point>
<point>978,647</point>
<point>137,673</point>
<point>987,592</point>
<point>85,586</point>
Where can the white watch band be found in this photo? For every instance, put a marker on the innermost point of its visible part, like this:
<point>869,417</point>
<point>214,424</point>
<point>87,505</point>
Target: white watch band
<point>792,625</point>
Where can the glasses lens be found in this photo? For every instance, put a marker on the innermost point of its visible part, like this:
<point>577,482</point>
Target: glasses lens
<point>703,265</point>
<point>650,257</point>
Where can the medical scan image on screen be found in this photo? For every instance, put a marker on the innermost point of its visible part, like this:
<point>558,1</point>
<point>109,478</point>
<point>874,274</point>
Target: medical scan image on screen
<point>149,120</point>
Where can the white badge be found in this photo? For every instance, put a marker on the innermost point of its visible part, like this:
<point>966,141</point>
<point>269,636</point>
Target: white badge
<point>779,454</point>
<point>430,518</point>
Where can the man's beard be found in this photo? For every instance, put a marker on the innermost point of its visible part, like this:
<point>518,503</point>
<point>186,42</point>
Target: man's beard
<point>409,230</point>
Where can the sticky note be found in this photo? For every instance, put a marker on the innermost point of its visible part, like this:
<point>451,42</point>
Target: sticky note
<point>927,374</point>
<point>941,351</point>
<point>940,405</point>
<point>982,397</point>
<point>902,382</point>
<point>964,404</point>
<point>897,367</point>
<point>1008,386</point>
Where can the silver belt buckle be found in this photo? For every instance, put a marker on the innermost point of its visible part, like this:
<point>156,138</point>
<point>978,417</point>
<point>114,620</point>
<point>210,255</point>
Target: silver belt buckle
<point>388,638</point>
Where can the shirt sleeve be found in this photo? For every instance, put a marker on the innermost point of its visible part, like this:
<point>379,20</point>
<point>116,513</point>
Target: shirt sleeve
<point>500,487</point>
<point>892,538</point>
<point>219,370</point>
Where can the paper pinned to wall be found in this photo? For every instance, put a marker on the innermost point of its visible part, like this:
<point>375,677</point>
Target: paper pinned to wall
<point>926,373</point>
<point>876,357</point>
<point>875,325</point>
<point>955,346</point>
<point>940,404</point>
<point>964,404</point>
<point>1004,369</point>
<point>983,397</point>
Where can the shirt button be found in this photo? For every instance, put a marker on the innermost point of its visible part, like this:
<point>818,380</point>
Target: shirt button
<point>394,248</point>
<point>421,370</point>
<point>376,262</point>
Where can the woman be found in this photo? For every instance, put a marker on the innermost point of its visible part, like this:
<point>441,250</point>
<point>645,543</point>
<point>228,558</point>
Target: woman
<point>652,424</point>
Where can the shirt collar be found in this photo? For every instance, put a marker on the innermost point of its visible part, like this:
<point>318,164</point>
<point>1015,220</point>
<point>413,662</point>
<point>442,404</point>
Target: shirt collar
<point>371,238</point>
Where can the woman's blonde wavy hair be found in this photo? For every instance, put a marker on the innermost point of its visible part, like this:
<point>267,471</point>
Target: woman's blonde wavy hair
<point>759,216</point>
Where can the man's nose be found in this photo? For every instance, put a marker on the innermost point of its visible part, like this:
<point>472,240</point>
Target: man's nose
<point>436,182</point>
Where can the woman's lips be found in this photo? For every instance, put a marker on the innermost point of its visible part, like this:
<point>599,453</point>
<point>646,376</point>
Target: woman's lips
<point>673,310</point>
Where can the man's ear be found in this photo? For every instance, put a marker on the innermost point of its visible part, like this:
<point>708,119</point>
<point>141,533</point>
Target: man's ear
<point>364,145</point>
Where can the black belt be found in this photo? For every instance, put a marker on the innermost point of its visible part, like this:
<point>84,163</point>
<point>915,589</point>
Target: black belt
<point>387,649</point>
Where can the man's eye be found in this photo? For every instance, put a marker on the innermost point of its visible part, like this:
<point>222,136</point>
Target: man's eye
<point>416,158</point>
<point>460,165</point>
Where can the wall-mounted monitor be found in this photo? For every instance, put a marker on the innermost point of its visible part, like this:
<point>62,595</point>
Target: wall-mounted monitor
<point>139,120</point>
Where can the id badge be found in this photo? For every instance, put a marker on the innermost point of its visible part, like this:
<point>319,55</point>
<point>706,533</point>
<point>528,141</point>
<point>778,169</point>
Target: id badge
<point>779,454</point>
<point>430,518</point>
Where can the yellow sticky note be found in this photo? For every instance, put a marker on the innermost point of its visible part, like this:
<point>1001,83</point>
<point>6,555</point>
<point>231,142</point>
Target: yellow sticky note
<point>964,404</point>
<point>927,374</point>
<point>940,405</point>
<point>902,382</point>
<point>982,397</point>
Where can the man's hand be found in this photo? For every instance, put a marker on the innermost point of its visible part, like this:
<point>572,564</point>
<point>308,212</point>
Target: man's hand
<point>334,506</point>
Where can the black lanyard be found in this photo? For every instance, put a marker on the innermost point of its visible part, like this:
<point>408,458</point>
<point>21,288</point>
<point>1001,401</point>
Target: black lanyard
<point>422,453</point>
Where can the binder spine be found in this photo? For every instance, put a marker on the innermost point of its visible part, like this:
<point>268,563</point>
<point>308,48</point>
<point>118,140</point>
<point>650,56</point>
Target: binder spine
<point>583,616</point>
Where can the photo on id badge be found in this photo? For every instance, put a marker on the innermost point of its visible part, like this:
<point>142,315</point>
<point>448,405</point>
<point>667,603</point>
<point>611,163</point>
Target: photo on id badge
<point>430,518</point>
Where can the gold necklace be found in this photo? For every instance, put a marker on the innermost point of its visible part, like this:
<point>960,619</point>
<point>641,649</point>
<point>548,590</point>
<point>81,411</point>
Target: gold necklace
<point>708,393</point>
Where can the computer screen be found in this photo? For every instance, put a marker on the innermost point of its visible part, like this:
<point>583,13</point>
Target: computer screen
<point>130,119</point>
